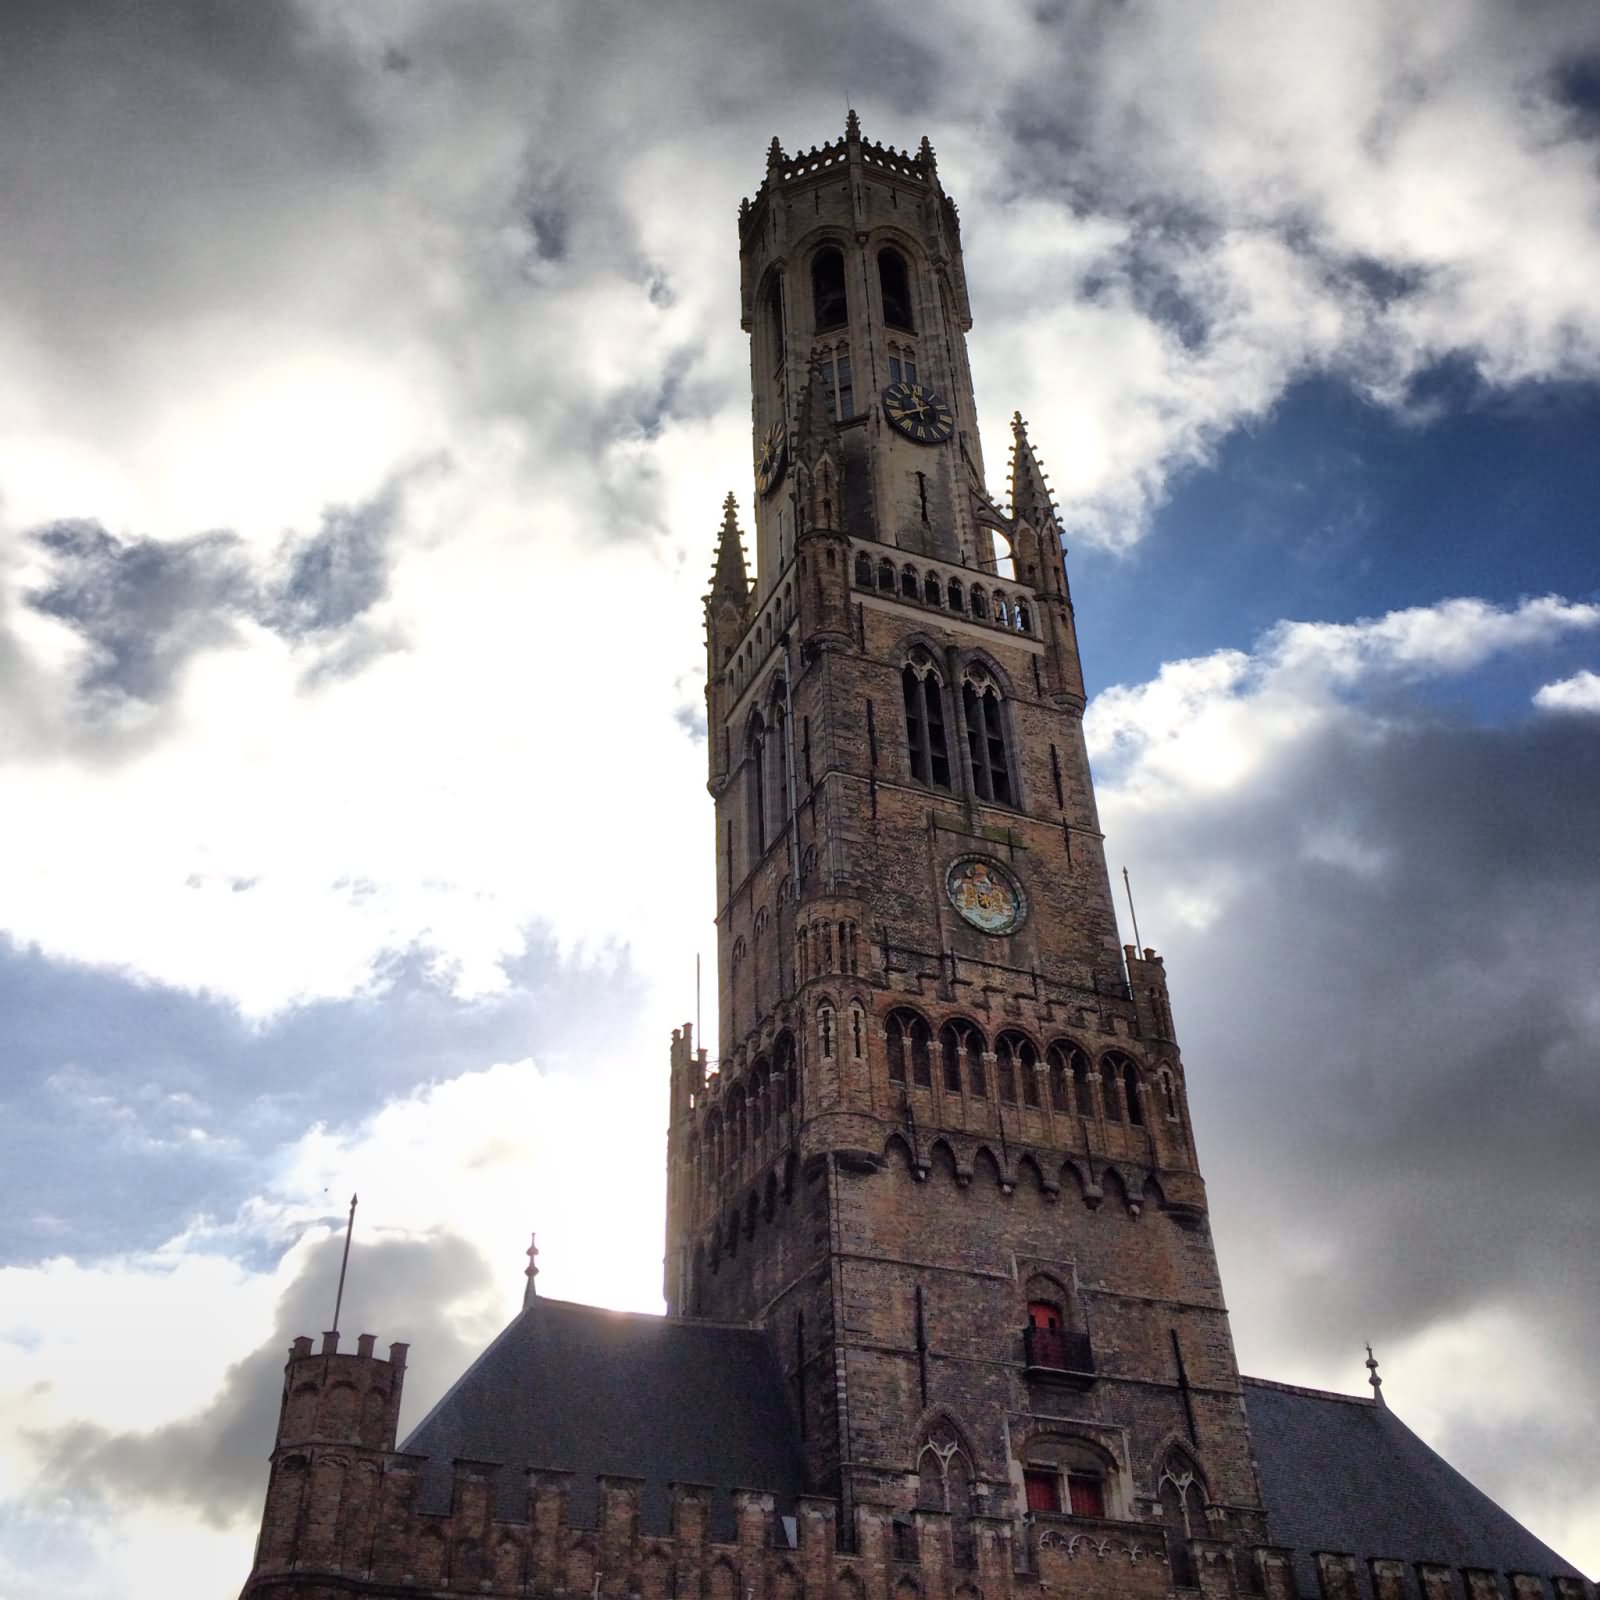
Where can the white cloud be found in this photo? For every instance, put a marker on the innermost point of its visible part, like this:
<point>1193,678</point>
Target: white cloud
<point>1580,692</point>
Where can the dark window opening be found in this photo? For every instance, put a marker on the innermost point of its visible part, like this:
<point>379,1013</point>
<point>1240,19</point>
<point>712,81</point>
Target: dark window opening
<point>829,307</point>
<point>1111,1088</point>
<point>955,596</point>
<point>910,588</point>
<point>886,574</point>
<point>902,369</point>
<point>1130,1084</point>
<point>986,743</point>
<point>863,570</point>
<point>775,317</point>
<point>925,735</point>
<point>895,282</point>
<point>910,1036</point>
<point>932,590</point>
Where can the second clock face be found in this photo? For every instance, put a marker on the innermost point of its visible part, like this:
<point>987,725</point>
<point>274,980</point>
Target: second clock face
<point>918,413</point>
<point>771,455</point>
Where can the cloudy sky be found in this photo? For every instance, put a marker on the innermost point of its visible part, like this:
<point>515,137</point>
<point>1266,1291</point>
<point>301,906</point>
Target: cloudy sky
<point>370,378</point>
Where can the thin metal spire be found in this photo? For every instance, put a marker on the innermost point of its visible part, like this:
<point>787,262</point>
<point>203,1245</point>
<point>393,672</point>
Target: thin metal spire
<point>349,1228</point>
<point>1374,1379</point>
<point>531,1271</point>
<point>1128,890</point>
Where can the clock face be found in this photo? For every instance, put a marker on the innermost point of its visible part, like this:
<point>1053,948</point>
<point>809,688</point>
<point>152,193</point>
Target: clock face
<point>918,413</point>
<point>771,455</point>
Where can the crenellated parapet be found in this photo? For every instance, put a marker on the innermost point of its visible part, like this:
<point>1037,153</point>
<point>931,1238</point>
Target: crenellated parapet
<point>364,1534</point>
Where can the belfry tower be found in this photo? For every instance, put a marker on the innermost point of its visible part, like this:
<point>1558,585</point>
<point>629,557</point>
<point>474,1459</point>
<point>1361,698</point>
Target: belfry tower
<point>944,1157</point>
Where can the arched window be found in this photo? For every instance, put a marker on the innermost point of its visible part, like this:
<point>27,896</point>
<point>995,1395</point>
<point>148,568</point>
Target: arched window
<point>1068,1475</point>
<point>944,1483</point>
<point>825,1031</point>
<point>925,735</point>
<point>1069,1072</point>
<point>1169,1094</point>
<point>1183,1514</point>
<point>1111,1086</point>
<point>1024,621</point>
<point>954,593</point>
<point>932,589</point>
<point>1016,1057</point>
<point>829,307</point>
<point>775,316</point>
<point>886,574</point>
<point>910,1044</point>
<point>895,283</point>
<point>986,739</point>
<point>756,744</point>
<point>858,1028</point>
<point>783,1068</point>
<point>980,604</point>
<point>863,570</point>
<point>910,586</point>
<point>961,1049</point>
<point>1130,1086</point>
<point>779,811</point>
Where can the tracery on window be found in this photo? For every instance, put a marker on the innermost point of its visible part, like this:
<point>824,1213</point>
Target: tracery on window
<point>1069,1078</point>
<point>1017,1061</point>
<point>986,738</point>
<point>909,1041</point>
<point>926,742</point>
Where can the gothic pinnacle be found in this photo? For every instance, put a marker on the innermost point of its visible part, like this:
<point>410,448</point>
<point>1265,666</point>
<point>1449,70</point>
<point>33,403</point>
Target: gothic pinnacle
<point>728,577</point>
<point>1373,1378</point>
<point>1030,488</point>
<point>852,124</point>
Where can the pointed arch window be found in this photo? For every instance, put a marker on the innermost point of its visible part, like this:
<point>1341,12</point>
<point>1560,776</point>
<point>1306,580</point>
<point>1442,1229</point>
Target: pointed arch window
<point>894,281</point>
<point>1069,1077</point>
<point>961,1049</point>
<point>986,740</point>
<point>756,742</point>
<point>1016,1058</point>
<point>925,732</point>
<point>779,811</point>
<point>909,1047</point>
<point>829,305</point>
<point>863,570</point>
<point>1130,1087</point>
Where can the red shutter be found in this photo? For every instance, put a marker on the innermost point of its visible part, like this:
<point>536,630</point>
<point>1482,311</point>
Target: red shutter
<point>1044,1315</point>
<point>1044,1491</point>
<point>1087,1493</point>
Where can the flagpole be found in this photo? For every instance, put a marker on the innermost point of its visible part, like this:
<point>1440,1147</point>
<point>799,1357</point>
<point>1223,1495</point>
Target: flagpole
<point>349,1228</point>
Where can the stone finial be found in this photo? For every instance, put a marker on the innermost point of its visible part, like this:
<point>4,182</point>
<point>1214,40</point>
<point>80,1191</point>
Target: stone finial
<point>926,156</point>
<point>852,126</point>
<point>1373,1378</point>
<point>774,155</point>
<point>531,1271</point>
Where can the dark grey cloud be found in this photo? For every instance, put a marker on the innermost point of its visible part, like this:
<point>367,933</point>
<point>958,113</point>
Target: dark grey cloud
<point>147,607</point>
<point>1389,1036</point>
<point>215,1461</point>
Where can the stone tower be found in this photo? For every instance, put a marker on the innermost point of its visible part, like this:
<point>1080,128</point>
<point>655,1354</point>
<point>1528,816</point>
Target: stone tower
<point>944,1157</point>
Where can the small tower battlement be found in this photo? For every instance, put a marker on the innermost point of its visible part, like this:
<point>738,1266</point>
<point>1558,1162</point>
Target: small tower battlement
<point>349,1398</point>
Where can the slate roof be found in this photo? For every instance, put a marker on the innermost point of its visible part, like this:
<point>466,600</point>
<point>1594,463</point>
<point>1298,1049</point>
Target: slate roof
<point>1340,1473</point>
<point>593,1391</point>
